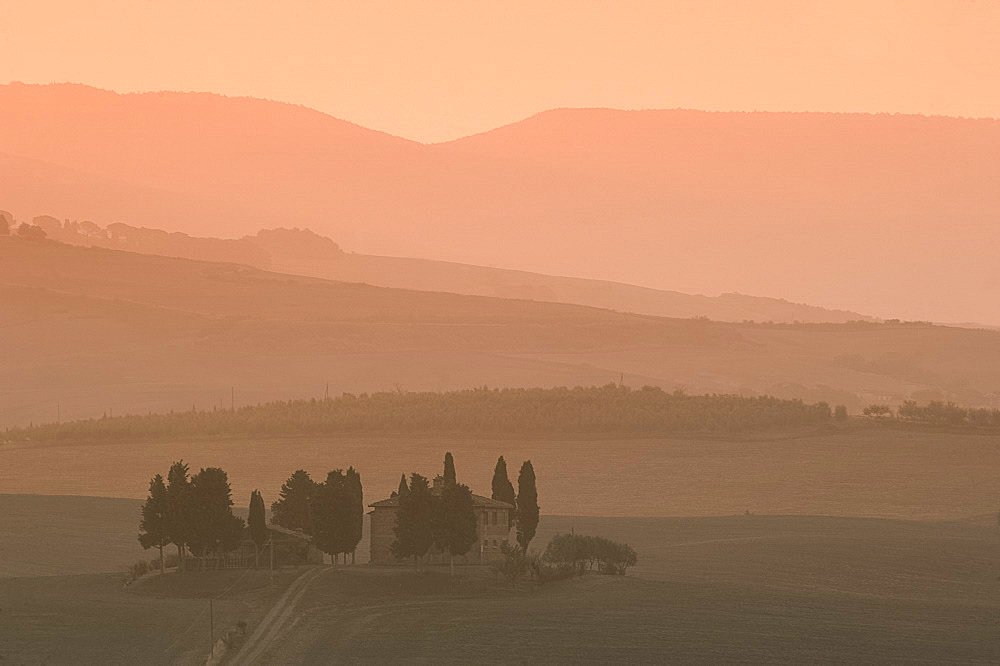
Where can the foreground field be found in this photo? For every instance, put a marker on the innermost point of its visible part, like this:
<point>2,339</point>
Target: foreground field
<point>92,619</point>
<point>864,471</point>
<point>747,588</point>
<point>740,589</point>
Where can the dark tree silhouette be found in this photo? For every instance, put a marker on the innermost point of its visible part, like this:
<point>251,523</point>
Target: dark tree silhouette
<point>213,527</point>
<point>403,488</point>
<point>575,550</point>
<point>332,516</point>
<point>449,470</point>
<point>527,505</point>
<point>153,524</point>
<point>503,489</point>
<point>257,524</point>
<point>454,522</point>
<point>31,231</point>
<point>179,506</point>
<point>292,510</point>
<point>357,509</point>
<point>840,412</point>
<point>414,534</point>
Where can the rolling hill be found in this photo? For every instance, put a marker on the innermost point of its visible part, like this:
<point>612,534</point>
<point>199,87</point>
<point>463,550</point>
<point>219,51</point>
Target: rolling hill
<point>89,330</point>
<point>890,215</point>
<point>302,252</point>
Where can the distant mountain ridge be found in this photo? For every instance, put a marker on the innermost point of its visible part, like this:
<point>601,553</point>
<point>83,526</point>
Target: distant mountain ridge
<point>303,252</point>
<point>892,215</point>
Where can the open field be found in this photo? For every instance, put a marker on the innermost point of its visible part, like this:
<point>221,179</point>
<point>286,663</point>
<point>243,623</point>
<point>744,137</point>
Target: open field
<point>92,619</point>
<point>865,471</point>
<point>50,535</point>
<point>739,588</point>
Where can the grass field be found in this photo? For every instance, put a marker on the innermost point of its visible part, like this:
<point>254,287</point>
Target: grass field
<point>739,589</point>
<point>862,471</point>
<point>865,545</point>
<point>709,589</point>
<point>92,619</point>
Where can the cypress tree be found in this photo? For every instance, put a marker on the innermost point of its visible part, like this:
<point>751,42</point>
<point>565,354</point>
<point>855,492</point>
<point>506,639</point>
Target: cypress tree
<point>503,489</point>
<point>331,511</point>
<point>414,532</point>
<point>153,524</point>
<point>403,488</point>
<point>178,522</point>
<point>449,470</point>
<point>256,523</point>
<point>527,505</point>
<point>293,507</point>
<point>357,506</point>
<point>214,528</point>
<point>454,522</point>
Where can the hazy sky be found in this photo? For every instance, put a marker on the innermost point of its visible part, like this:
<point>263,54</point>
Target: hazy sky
<point>439,70</point>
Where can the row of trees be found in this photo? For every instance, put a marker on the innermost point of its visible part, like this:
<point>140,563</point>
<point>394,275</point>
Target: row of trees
<point>447,520</point>
<point>937,412</point>
<point>24,230</point>
<point>331,512</point>
<point>193,513</point>
<point>582,551</point>
<point>606,409</point>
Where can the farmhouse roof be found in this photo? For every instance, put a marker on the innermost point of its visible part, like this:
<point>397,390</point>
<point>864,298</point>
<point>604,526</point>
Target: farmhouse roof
<point>477,501</point>
<point>298,534</point>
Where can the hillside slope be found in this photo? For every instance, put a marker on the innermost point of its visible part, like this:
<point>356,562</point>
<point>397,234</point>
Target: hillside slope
<point>302,252</point>
<point>838,210</point>
<point>88,331</point>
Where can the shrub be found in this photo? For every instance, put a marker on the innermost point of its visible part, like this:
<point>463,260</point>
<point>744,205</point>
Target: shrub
<point>514,565</point>
<point>576,550</point>
<point>548,573</point>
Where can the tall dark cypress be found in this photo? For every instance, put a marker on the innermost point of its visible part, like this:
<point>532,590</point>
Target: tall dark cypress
<point>527,505</point>
<point>256,523</point>
<point>449,470</point>
<point>357,505</point>
<point>503,489</point>
<point>414,530</point>
<point>153,525</point>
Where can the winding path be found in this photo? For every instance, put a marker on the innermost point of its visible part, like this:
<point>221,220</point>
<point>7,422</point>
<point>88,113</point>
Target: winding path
<point>273,623</point>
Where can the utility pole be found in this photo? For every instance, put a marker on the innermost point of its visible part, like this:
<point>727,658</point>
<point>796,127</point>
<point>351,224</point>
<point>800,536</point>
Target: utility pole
<point>211,627</point>
<point>326,396</point>
<point>58,413</point>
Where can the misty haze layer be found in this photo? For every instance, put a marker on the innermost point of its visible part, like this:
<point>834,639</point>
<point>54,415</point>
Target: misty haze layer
<point>883,214</point>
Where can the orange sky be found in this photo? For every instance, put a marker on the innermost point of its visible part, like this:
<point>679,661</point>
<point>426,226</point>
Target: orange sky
<point>438,70</point>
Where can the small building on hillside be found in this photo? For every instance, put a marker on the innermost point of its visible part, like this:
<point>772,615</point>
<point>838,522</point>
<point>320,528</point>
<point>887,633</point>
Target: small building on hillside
<point>294,547</point>
<point>493,519</point>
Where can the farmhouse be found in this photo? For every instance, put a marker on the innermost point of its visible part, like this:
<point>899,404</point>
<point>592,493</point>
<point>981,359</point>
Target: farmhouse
<point>492,529</point>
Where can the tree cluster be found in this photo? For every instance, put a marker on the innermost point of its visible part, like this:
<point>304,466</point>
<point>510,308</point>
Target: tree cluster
<point>445,520</point>
<point>30,231</point>
<point>193,513</point>
<point>947,413</point>
<point>606,409</point>
<point>585,551</point>
<point>331,512</point>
